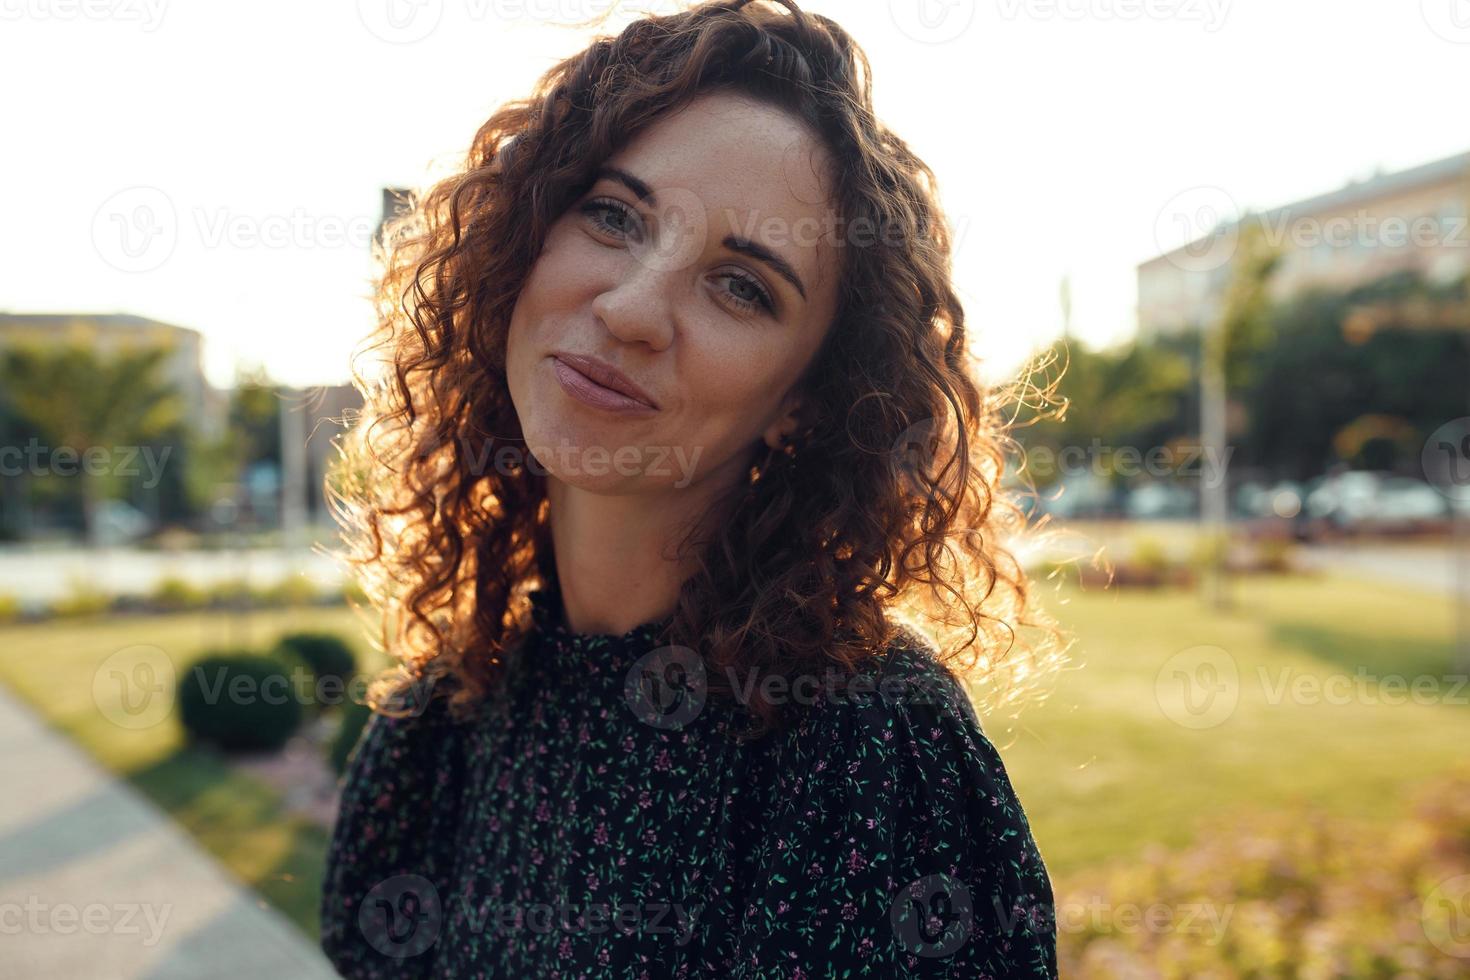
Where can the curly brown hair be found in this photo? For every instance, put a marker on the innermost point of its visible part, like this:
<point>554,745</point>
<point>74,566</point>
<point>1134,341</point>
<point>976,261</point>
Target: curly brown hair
<point>887,508</point>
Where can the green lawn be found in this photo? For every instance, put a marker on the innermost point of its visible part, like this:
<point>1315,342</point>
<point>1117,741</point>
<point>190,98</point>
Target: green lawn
<point>1101,769</point>
<point>237,818</point>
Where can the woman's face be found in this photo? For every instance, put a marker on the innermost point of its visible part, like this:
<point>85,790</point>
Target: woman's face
<point>700,265</point>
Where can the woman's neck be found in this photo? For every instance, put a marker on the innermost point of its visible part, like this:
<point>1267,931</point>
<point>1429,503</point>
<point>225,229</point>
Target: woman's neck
<point>617,556</point>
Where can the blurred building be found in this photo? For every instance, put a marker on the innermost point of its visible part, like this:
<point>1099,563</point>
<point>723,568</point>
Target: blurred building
<point>1416,219</point>
<point>310,417</point>
<point>107,333</point>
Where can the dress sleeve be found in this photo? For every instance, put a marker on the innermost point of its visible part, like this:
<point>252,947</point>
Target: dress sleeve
<point>389,863</point>
<point>895,845</point>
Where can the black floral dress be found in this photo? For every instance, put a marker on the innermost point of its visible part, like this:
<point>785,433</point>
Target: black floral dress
<point>594,822</point>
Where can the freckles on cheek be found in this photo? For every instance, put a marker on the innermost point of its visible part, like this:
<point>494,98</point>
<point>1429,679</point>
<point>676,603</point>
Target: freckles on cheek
<point>569,252</point>
<point>553,287</point>
<point>548,274</point>
<point>738,389</point>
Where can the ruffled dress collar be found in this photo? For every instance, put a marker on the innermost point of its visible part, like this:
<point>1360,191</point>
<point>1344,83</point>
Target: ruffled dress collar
<point>596,651</point>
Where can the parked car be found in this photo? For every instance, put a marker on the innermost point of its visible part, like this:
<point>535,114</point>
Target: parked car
<point>1368,500</point>
<point>119,523</point>
<point>1284,499</point>
<point>1161,500</point>
<point>1079,496</point>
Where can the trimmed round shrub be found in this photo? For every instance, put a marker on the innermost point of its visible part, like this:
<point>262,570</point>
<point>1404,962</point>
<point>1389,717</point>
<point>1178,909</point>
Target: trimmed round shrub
<point>83,599</point>
<point>354,719</point>
<point>293,590</point>
<point>239,701</point>
<point>326,654</point>
<point>176,593</point>
<point>231,593</point>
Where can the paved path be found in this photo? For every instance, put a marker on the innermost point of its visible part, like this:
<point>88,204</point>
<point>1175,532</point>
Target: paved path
<point>1432,568</point>
<point>97,882</point>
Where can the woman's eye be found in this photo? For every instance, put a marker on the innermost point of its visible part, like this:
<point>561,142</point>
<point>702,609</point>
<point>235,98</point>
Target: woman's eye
<point>611,217</point>
<point>747,293</point>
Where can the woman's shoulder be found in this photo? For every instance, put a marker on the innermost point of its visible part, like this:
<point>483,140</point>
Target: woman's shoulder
<point>905,683</point>
<point>905,713</point>
<point>417,721</point>
<point>395,823</point>
<point>891,803</point>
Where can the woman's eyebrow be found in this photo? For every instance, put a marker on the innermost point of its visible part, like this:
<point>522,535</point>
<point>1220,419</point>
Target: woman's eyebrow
<point>758,251</point>
<point>638,187</point>
<point>734,243</point>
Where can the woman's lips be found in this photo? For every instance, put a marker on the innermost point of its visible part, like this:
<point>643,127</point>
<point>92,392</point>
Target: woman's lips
<point>589,392</point>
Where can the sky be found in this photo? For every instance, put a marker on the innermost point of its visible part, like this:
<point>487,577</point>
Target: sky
<point>219,165</point>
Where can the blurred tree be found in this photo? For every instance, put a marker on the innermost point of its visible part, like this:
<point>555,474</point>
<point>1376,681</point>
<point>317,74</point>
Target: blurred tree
<point>255,409</point>
<point>1129,396</point>
<point>1331,364</point>
<point>73,398</point>
<point>1377,442</point>
<point>1245,330</point>
<point>252,436</point>
<point>14,481</point>
<point>1229,350</point>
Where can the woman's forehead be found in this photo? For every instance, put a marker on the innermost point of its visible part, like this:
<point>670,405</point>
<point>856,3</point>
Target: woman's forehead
<point>735,153</point>
<point>755,170</point>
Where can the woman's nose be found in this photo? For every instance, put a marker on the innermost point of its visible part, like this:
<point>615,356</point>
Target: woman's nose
<point>640,306</point>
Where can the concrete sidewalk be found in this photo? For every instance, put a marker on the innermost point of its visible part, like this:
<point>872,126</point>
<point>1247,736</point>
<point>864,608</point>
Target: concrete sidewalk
<point>1429,567</point>
<point>97,882</point>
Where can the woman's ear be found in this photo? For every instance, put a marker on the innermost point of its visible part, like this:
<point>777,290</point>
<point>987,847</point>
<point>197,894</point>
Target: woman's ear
<point>787,424</point>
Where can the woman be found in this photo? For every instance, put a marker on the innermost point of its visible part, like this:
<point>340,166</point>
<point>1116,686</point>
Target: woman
<point>680,442</point>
